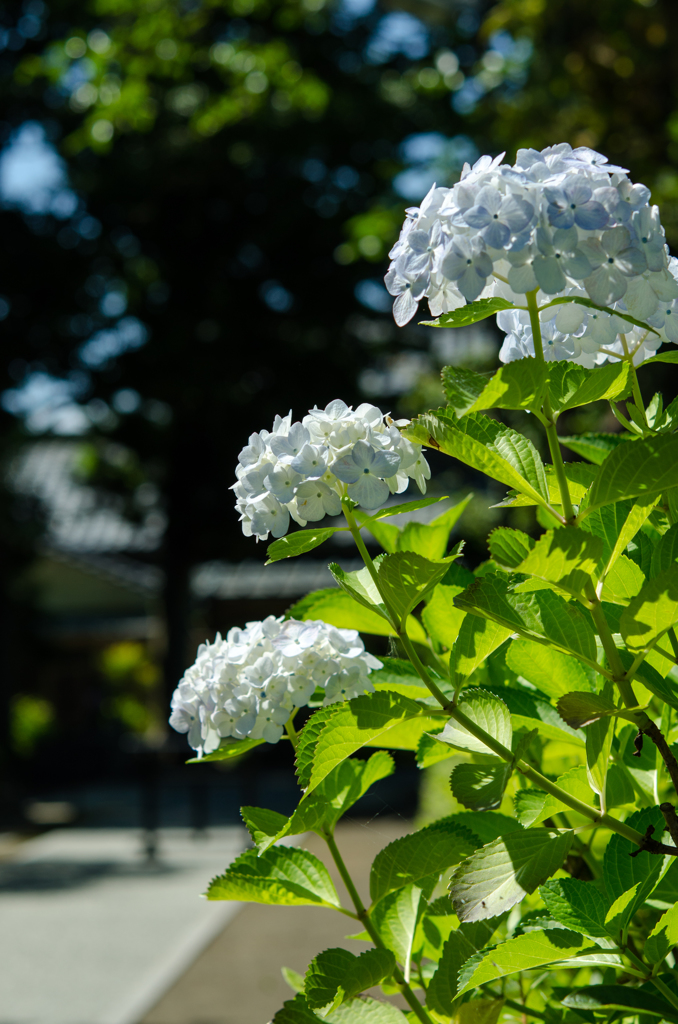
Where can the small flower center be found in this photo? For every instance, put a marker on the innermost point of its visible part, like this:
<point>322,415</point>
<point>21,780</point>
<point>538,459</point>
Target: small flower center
<point>469,262</point>
<point>573,206</point>
<point>366,471</point>
<point>610,259</point>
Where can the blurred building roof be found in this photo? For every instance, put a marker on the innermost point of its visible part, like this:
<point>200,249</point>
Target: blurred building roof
<point>88,531</point>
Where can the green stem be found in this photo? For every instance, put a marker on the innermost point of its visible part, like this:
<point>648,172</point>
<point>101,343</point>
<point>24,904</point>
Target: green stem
<point>551,432</point>
<point>363,916</point>
<point>611,652</point>
<point>292,734</point>
<point>665,991</point>
<point>369,564</point>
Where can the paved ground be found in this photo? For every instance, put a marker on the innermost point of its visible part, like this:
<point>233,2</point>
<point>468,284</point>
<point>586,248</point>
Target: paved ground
<point>237,979</point>
<point>92,934</point>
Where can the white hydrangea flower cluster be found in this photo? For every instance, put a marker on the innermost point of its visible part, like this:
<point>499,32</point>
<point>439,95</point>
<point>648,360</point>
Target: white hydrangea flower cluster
<point>303,469</point>
<point>563,221</point>
<point>250,683</point>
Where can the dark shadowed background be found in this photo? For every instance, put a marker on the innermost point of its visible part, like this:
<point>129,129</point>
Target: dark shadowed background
<point>197,200</point>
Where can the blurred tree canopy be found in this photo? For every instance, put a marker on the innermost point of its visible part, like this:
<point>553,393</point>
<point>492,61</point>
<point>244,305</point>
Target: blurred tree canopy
<point>234,174</point>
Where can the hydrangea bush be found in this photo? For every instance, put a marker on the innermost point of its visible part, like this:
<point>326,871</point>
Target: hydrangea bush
<point>546,678</point>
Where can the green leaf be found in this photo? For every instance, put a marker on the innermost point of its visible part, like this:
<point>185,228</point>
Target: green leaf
<point>442,990</point>
<point>621,871</point>
<point>361,587</point>
<point>619,789</point>
<point>295,1011</point>
<point>471,313</point>
<point>400,676</point>
<point>663,937</point>
<point>617,524</point>
<point>578,905</point>
<point>336,976</point>
<point>395,918</point>
<point>652,611</point>
<point>551,671</point>
<point>414,857</point>
<point>509,547</point>
<point>567,556</point>
<point>496,877</point>
<point>299,543</point>
<point>571,385</point>
<point>353,725</point>
<point>485,445</point>
<point>325,975</point>
<point>642,469</point>
<point>480,787</point>
<point>431,539</point>
<point>440,616</point>
<point>322,809</point>
<point>293,979</point>
<point>542,616</point>
<point>264,825</point>
<point>463,387</point>
<point>338,608</point>
<point>529,710</point>
<point>594,447</point>
<point>623,582</point>
<point>479,1011</point>
<point>631,1001</point>
<point>574,781</point>
<point>599,736</point>
<point>477,639</point>
<point>622,910</point>
<point>662,357</point>
<point>486,826</point>
<point>366,1011</point>
<point>308,739</point>
<point>406,579</point>
<point>579,709</point>
<point>666,552</point>
<point>398,510</point>
<point>518,385</point>
<point>485,710</point>
<point>282,875</point>
<point>524,953</point>
<point>369,969</point>
<point>664,689</point>
<point>386,534</point>
<point>228,749</point>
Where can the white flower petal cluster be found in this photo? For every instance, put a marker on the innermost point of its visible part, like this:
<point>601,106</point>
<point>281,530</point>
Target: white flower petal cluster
<point>303,469</point>
<point>250,683</point>
<point>562,221</point>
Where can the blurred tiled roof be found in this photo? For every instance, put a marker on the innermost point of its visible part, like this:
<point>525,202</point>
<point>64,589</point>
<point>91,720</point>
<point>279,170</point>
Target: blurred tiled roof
<point>91,533</point>
<point>79,519</point>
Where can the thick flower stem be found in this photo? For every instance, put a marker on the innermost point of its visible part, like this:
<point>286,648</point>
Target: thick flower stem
<point>364,917</point>
<point>551,433</point>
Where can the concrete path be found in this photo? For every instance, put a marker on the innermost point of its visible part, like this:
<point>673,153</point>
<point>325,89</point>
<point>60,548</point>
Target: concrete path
<point>237,979</point>
<point>90,933</point>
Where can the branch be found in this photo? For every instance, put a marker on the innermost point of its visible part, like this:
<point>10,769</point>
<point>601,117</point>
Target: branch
<point>664,749</point>
<point>671,820</point>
